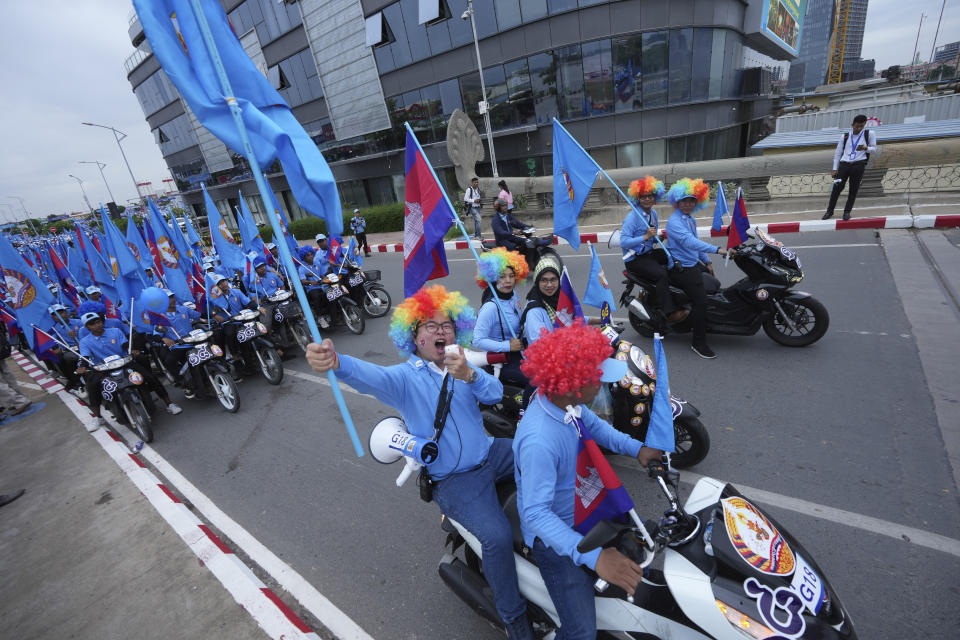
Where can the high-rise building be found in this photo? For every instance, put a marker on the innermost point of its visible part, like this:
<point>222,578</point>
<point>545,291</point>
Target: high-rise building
<point>354,81</point>
<point>947,53</point>
<point>809,70</point>
<point>856,22</point>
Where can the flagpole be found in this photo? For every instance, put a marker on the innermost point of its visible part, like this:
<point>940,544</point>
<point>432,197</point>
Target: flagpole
<point>639,212</point>
<point>459,223</point>
<point>274,222</point>
<point>62,344</point>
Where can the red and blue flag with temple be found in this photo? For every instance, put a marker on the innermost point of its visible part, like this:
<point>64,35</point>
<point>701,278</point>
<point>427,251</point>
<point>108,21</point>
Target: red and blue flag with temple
<point>599,494</point>
<point>427,218</point>
<point>737,231</point>
<point>43,343</point>
<point>568,305</point>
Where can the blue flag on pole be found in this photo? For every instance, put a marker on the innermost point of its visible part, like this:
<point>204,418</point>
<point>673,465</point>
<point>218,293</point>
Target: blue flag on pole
<point>426,219</point>
<point>174,35</point>
<point>660,431</point>
<point>195,242</point>
<point>353,250</point>
<point>137,246</point>
<point>231,256</point>
<point>250,238</point>
<point>30,295</point>
<point>720,209</point>
<point>598,289</point>
<point>174,271</point>
<point>568,305</point>
<point>574,173</point>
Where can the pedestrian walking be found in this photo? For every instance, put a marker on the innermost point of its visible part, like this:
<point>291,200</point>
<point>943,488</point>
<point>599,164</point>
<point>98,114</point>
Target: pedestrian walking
<point>359,226</point>
<point>849,161</point>
<point>472,204</point>
<point>12,401</point>
<point>505,195</point>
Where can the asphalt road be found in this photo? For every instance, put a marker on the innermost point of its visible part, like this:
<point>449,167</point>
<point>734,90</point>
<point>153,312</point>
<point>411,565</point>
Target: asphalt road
<point>847,423</point>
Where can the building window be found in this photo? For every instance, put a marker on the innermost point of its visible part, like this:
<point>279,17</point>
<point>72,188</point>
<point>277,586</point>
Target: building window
<point>681,61</point>
<point>571,81</point>
<point>655,69</point>
<point>508,13</point>
<point>543,83</point>
<point>161,136</point>
<point>597,78</point>
<point>626,73</point>
<point>278,78</point>
<point>378,31</point>
<point>432,11</point>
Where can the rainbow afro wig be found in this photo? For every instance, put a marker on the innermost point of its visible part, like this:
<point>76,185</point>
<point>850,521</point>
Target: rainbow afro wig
<point>647,186</point>
<point>493,263</point>
<point>564,360</point>
<point>687,188</point>
<point>421,306</point>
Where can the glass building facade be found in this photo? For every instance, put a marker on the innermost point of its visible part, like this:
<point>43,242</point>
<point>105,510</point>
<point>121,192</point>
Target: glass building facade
<point>638,82</point>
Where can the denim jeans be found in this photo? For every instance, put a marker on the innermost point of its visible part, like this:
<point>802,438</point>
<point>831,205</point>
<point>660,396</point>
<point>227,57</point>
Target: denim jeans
<point>571,589</point>
<point>470,498</point>
<point>475,212</point>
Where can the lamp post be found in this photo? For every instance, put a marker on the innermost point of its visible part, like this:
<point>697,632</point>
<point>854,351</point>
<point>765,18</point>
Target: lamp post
<point>484,109</point>
<point>85,198</point>
<point>101,165</point>
<point>119,135</point>
<point>25,213</point>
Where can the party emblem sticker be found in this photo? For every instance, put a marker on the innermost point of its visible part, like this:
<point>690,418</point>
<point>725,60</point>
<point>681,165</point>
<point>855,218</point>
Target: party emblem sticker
<point>756,540</point>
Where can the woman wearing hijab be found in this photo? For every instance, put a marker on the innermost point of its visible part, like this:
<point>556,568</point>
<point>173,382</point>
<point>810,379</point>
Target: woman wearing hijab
<point>497,325</point>
<point>542,299</point>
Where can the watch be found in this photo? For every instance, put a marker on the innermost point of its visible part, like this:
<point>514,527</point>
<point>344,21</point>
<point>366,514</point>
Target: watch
<point>474,376</point>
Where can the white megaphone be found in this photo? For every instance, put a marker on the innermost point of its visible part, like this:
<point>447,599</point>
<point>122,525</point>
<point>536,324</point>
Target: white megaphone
<point>390,440</point>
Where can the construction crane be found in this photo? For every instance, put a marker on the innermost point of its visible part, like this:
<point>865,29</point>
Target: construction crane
<point>838,41</point>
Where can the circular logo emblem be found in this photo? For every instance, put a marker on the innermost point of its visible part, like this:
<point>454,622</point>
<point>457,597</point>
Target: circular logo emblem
<point>134,250</point>
<point>755,539</point>
<point>224,231</point>
<point>168,253</point>
<point>114,266</point>
<point>762,294</point>
<point>20,288</point>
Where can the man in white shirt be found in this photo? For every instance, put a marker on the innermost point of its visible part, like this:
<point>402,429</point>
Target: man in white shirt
<point>849,161</point>
<point>472,199</point>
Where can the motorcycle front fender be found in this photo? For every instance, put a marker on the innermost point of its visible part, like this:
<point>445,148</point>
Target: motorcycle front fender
<point>682,408</point>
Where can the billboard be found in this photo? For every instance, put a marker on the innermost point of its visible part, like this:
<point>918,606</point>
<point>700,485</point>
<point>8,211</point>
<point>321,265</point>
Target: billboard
<point>782,21</point>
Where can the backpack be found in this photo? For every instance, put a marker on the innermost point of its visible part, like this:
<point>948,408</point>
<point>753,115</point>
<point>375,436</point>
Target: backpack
<point>846,136</point>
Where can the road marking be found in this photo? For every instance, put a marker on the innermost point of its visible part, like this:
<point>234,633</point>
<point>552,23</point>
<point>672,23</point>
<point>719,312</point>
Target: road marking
<point>893,530</point>
<point>29,385</point>
<point>873,333</point>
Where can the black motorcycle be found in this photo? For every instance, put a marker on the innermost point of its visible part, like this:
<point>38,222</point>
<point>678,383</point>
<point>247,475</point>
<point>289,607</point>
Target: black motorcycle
<point>208,370</point>
<point>366,290</point>
<point>125,396</point>
<point>255,350</point>
<point>340,305</point>
<point>765,298</point>
<point>289,326</point>
<point>534,248</point>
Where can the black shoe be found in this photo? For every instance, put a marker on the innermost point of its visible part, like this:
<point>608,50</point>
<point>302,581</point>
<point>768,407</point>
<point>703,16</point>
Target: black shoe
<point>827,215</point>
<point>846,215</point>
<point>704,351</point>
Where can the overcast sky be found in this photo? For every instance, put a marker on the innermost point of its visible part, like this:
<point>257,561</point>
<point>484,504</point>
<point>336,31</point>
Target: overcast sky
<point>63,65</point>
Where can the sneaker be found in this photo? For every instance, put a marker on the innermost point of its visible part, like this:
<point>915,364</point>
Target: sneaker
<point>96,424</point>
<point>704,351</point>
<point>189,394</point>
<point>827,215</point>
<point>846,215</point>
<point>173,409</point>
<point>324,322</point>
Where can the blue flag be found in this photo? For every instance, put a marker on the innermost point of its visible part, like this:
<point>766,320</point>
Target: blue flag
<point>250,239</point>
<point>574,173</point>
<point>117,249</point>
<point>174,35</point>
<point>231,256</point>
<point>598,289</point>
<point>137,246</point>
<point>195,242</point>
<point>568,305</point>
<point>720,209</point>
<point>660,430</point>
<point>284,225</point>
<point>353,250</point>
<point>30,295</point>
<point>102,277</point>
<point>174,270</point>
<point>181,244</point>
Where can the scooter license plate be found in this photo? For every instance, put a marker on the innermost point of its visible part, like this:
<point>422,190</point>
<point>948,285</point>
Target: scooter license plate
<point>808,585</point>
<point>333,293</point>
<point>356,279</point>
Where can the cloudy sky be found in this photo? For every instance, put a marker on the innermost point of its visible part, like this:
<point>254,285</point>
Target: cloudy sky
<point>63,65</point>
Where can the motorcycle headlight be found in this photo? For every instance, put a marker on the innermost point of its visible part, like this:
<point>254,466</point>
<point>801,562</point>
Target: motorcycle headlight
<point>135,377</point>
<point>215,350</point>
<point>743,622</point>
<point>261,327</point>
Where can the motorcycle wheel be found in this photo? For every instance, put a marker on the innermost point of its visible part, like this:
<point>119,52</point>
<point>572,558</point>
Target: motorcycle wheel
<point>692,440</point>
<point>376,301</point>
<point>225,388</point>
<point>270,364</point>
<point>138,416</point>
<point>640,326</point>
<point>352,316</point>
<point>808,315</point>
<point>301,334</point>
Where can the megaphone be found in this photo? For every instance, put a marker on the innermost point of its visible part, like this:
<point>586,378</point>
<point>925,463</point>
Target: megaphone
<point>390,441</point>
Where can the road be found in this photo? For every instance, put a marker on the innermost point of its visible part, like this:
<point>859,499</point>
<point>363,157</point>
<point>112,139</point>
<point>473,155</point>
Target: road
<point>848,423</point>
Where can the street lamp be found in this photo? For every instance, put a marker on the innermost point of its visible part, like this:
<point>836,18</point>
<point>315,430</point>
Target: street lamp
<point>119,135</point>
<point>25,213</point>
<point>100,165</point>
<point>468,14</point>
<point>85,198</point>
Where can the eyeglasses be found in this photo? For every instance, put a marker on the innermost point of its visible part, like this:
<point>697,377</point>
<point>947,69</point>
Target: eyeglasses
<point>549,280</point>
<point>433,327</point>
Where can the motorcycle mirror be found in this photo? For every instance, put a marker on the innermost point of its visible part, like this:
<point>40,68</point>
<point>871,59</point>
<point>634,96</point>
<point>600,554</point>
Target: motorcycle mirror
<point>601,535</point>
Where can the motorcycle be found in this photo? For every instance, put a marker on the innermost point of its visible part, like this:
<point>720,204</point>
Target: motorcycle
<point>123,394</point>
<point>765,298</point>
<point>631,403</point>
<point>338,297</point>
<point>730,572</point>
<point>255,350</point>
<point>208,370</point>
<point>534,248</point>
<point>289,325</point>
<point>366,290</point>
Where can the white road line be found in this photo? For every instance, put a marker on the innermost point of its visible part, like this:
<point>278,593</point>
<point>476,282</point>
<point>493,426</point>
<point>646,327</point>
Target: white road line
<point>893,530</point>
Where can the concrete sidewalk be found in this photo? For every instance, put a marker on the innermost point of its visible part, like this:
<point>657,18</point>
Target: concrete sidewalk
<point>84,554</point>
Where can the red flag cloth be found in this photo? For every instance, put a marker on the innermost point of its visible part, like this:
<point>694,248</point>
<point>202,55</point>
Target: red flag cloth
<point>737,231</point>
<point>599,494</point>
<point>44,343</point>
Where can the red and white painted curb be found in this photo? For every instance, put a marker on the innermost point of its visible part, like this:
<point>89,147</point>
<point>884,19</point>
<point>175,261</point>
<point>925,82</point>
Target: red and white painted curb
<point>273,615</point>
<point>834,224</point>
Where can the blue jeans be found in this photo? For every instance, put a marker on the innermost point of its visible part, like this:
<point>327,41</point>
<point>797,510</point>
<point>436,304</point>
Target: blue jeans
<point>470,498</point>
<point>475,212</point>
<point>571,589</point>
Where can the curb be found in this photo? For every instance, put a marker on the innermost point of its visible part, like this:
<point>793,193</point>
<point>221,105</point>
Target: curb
<point>888,222</point>
<point>273,616</point>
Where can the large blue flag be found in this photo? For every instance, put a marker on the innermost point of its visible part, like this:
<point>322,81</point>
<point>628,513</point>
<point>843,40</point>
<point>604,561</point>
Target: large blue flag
<point>660,430</point>
<point>720,209</point>
<point>250,239</point>
<point>182,245</point>
<point>102,274</point>
<point>174,35</point>
<point>29,293</point>
<point>427,218</point>
<point>574,173</point>
<point>195,242</point>
<point>129,278</point>
<point>598,289</point>
<point>77,266</point>
<point>231,256</point>
<point>137,246</point>
<point>288,236</point>
<point>174,270</point>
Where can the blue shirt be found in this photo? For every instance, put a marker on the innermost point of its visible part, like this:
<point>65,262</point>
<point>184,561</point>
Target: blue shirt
<point>180,324</point>
<point>233,301</point>
<point>545,452</point>
<point>108,323</point>
<point>683,243</point>
<point>413,388</point>
<point>631,234</point>
<point>268,284</point>
<point>358,224</point>
<point>111,343</point>
<point>491,332</point>
<point>537,320</point>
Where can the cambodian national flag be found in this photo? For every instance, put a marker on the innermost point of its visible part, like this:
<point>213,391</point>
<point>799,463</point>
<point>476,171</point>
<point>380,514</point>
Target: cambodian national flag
<point>737,232</point>
<point>427,218</point>
<point>63,275</point>
<point>13,327</point>
<point>568,306</point>
<point>599,495</point>
<point>43,343</point>
<point>157,319</point>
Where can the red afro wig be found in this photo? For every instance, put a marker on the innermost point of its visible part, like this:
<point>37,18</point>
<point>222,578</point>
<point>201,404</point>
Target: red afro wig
<point>566,359</point>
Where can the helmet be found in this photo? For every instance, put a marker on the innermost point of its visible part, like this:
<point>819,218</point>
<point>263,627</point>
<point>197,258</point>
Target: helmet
<point>87,318</point>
